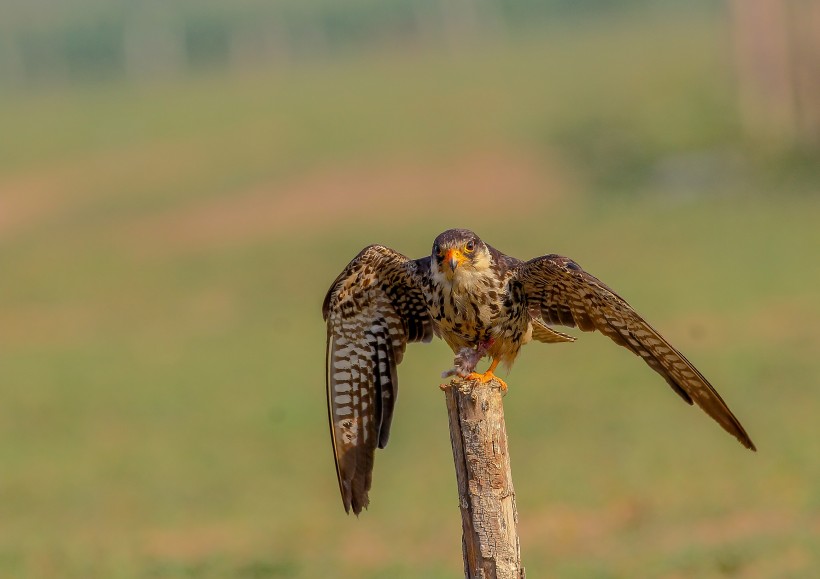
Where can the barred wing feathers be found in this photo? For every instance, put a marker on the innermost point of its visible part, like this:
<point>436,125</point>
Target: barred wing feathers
<point>373,309</point>
<point>567,295</point>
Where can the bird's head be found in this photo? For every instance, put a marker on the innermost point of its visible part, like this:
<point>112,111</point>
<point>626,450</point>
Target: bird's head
<point>460,252</point>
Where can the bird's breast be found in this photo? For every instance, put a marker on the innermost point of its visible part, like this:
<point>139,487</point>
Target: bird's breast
<point>466,314</point>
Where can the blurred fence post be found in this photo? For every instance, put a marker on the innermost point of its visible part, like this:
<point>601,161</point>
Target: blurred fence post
<point>489,519</point>
<point>777,59</point>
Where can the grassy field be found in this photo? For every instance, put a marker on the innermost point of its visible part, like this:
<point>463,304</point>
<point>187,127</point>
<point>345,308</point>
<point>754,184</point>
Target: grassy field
<point>165,251</point>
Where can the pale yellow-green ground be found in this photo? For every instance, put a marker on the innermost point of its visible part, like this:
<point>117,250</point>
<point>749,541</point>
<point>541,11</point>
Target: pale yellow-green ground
<point>165,251</point>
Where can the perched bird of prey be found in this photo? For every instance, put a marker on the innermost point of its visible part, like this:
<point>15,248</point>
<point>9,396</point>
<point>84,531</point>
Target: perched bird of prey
<point>482,303</point>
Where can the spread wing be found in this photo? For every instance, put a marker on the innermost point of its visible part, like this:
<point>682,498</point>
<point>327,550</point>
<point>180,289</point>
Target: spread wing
<point>565,294</point>
<point>372,310</point>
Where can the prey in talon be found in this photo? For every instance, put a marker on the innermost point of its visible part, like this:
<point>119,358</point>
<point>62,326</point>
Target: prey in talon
<point>483,304</point>
<point>466,360</point>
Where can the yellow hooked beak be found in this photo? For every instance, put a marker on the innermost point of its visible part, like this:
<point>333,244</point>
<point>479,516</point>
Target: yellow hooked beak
<point>454,257</point>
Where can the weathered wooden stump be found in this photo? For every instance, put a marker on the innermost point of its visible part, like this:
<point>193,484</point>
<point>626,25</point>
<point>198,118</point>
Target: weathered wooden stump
<point>489,518</point>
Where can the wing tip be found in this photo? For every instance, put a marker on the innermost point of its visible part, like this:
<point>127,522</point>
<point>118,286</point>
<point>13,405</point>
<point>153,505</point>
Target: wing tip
<point>356,504</point>
<point>744,439</point>
<point>735,428</point>
<point>351,502</point>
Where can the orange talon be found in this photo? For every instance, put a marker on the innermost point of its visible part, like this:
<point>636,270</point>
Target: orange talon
<point>488,375</point>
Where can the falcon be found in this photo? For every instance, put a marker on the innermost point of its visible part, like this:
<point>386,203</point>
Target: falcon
<point>483,303</point>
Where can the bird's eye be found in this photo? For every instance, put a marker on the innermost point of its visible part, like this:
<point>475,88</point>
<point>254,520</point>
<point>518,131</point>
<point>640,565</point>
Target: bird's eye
<point>436,249</point>
<point>470,245</point>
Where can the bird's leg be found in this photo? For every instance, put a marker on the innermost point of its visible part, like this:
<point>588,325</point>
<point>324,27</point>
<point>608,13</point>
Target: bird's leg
<point>488,375</point>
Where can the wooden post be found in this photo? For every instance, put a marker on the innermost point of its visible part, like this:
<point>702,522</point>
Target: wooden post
<point>486,496</point>
<point>777,55</point>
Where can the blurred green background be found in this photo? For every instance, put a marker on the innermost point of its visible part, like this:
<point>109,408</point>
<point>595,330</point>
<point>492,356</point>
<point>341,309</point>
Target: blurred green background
<point>180,182</point>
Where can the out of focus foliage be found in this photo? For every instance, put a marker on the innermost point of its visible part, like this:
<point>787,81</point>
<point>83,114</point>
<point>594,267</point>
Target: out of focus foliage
<point>47,41</point>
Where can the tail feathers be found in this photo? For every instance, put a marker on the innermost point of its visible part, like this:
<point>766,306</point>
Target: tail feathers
<point>543,333</point>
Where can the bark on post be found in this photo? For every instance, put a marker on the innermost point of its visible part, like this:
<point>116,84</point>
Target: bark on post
<point>489,518</point>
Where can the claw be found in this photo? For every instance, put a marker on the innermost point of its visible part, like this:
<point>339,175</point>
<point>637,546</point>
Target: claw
<point>501,383</point>
<point>487,377</point>
<point>483,378</point>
